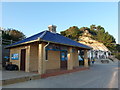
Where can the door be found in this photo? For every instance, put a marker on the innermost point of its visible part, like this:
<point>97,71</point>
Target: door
<point>63,61</point>
<point>22,61</point>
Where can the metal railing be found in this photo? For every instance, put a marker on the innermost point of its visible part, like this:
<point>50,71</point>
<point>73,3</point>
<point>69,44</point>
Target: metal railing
<point>6,42</point>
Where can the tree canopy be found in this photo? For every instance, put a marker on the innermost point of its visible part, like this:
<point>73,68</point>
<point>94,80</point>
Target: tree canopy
<point>12,34</point>
<point>97,32</point>
<point>72,32</point>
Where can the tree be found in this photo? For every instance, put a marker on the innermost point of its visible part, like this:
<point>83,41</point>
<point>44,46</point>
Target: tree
<point>97,32</point>
<point>118,47</point>
<point>72,33</point>
<point>99,28</point>
<point>107,39</point>
<point>12,34</point>
<point>92,27</point>
<point>84,28</point>
<point>101,35</point>
<point>91,31</point>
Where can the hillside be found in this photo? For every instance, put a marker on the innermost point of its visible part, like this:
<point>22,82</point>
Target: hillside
<point>97,33</point>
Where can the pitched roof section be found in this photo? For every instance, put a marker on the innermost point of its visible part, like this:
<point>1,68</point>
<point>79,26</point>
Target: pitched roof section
<point>32,38</point>
<point>51,37</point>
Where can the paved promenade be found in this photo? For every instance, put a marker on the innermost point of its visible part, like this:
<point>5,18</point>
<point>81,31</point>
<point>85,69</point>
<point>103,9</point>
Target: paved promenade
<point>99,76</point>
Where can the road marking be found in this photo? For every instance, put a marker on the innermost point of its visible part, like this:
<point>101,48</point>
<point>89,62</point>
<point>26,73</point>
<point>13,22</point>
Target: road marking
<point>112,81</point>
<point>117,68</point>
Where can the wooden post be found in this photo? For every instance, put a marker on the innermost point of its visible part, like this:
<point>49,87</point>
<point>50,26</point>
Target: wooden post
<point>85,58</point>
<point>70,59</point>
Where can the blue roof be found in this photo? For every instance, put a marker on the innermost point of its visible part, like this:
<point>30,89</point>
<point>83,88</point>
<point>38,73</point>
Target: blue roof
<point>51,37</point>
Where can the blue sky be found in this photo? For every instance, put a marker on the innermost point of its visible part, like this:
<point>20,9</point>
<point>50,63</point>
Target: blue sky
<point>34,17</point>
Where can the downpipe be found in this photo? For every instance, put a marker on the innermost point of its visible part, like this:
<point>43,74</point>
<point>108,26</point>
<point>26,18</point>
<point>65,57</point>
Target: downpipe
<point>45,50</point>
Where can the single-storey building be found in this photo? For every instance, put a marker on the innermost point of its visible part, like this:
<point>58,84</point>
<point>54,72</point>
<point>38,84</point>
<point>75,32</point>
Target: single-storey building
<point>45,51</point>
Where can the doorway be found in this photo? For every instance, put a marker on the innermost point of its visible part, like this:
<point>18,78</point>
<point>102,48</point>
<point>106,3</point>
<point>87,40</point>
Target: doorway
<point>22,61</point>
<point>63,60</point>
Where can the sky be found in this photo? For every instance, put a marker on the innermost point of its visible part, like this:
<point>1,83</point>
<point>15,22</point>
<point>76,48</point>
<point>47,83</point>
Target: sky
<point>34,17</point>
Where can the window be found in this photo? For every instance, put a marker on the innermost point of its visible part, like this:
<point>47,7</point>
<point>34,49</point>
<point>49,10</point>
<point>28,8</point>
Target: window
<point>63,55</point>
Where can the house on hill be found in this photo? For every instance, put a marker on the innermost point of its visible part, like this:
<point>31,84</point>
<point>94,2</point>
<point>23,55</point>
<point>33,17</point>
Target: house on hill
<point>45,51</point>
<point>99,51</point>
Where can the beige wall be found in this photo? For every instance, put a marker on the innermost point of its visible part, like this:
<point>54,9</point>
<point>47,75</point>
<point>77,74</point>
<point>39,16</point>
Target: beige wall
<point>53,60</point>
<point>85,58</point>
<point>18,50</point>
<point>31,56</point>
<point>41,59</point>
<point>12,51</point>
<point>34,57</point>
<point>72,58</point>
<point>75,59</point>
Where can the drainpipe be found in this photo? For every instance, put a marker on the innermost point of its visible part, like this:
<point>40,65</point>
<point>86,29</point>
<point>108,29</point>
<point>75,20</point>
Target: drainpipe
<point>44,59</point>
<point>45,48</point>
<point>44,51</point>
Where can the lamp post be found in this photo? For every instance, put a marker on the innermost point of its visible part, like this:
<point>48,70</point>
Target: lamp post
<point>1,45</point>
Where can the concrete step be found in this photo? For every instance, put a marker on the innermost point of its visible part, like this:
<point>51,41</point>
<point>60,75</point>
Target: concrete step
<point>19,79</point>
<point>99,61</point>
<point>113,58</point>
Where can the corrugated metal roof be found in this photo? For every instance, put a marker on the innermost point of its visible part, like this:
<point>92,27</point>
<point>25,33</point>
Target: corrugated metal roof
<point>51,37</point>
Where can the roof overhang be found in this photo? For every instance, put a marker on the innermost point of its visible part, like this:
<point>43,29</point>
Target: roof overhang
<point>22,43</point>
<point>39,39</point>
<point>66,44</point>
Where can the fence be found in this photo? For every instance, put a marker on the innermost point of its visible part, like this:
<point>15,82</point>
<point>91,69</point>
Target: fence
<point>4,52</point>
<point>7,42</point>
